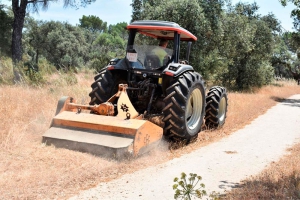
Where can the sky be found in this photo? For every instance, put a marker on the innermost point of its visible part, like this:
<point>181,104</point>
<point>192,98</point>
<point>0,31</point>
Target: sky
<point>115,11</point>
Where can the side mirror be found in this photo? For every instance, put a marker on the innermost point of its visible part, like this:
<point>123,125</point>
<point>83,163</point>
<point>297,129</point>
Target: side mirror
<point>188,51</point>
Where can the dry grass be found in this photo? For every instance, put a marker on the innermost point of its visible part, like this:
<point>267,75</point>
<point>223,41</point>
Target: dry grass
<point>281,180</point>
<point>30,170</point>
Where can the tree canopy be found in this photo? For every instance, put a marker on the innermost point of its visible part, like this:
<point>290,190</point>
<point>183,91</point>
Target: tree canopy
<point>93,23</point>
<point>236,46</point>
<point>5,32</point>
<point>20,9</point>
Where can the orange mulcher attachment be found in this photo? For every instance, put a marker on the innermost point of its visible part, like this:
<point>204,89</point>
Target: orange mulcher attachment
<point>100,132</point>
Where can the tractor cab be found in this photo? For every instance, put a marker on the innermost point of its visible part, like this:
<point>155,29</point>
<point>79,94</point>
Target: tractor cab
<point>140,49</point>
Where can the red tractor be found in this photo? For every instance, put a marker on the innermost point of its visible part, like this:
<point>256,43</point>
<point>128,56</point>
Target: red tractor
<point>172,88</point>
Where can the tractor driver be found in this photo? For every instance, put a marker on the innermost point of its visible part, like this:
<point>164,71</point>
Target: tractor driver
<point>160,52</point>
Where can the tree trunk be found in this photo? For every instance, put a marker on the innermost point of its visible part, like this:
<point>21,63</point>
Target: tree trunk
<point>241,72</point>
<point>19,10</point>
<point>295,75</point>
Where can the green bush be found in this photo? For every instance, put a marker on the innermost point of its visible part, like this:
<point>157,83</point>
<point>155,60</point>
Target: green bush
<point>251,75</point>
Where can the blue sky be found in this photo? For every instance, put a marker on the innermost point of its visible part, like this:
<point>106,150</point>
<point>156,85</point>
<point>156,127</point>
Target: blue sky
<point>114,11</point>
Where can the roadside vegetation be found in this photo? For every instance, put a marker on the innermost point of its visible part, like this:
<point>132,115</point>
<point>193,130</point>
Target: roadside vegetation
<point>237,48</point>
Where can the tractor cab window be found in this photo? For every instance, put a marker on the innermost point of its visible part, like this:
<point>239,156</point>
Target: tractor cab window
<point>151,57</point>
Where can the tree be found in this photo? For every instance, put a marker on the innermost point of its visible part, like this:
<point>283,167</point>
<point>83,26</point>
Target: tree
<point>136,10</point>
<point>190,16</point>
<point>5,32</point>
<point>61,44</point>
<point>234,46</point>
<point>66,45</point>
<point>35,38</point>
<point>93,24</point>
<point>295,14</point>
<point>20,8</point>
<point>105,47</point>
<point>119,29</point>
<point>249,43</point>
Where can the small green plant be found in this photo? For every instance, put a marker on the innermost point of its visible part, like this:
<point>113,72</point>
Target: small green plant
<point>34,77</point>
<point>185,187</point>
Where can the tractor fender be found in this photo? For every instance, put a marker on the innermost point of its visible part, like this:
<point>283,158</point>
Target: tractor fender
<point>117,63</point>
<point>176,69</point>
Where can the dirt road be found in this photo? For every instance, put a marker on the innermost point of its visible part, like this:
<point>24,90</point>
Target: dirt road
<point>222,165</point>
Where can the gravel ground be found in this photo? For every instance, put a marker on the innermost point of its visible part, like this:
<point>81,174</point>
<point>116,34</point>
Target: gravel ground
<point>222,164</point>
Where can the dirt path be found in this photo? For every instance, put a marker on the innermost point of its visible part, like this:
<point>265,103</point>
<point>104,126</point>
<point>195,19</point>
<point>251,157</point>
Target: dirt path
<point>222,165</point>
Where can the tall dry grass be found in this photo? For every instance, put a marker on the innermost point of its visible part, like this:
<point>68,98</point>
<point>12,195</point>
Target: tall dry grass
<point>6,71</point>
<point>30,170</point>
<point>281,180</point>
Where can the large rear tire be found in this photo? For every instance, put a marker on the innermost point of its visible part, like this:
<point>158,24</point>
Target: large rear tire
<point>184,110</point>
<point>104,87</point>
<point>216,107</point>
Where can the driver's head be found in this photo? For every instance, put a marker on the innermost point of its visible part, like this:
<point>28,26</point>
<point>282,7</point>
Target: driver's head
<point>163,43</point>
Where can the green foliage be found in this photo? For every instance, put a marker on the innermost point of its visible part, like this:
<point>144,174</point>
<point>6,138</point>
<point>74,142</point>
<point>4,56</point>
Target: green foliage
<point>185,187</point>
<point>247,48</point>
<point>62,44</point>
<point>107,46</point>
<point>189,15</point>
<point>69,47</point>
<point>281,57</point>
<point>31,71</point>
<point>5,32</point>
<point>28,74</point>
<point>137,6</point>
<point>20,9</point>
<point>234,46</point>
<point>295,14</point>
<point>93,24</point>
<point>119,30</point>
<point>248,10</point>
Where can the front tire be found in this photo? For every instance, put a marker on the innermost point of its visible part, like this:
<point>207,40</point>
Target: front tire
<point>216,107</point>
<point>184,110</point>
<point>104,87</point>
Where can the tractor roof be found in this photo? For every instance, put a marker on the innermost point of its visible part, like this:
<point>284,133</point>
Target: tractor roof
<point>161,29</point>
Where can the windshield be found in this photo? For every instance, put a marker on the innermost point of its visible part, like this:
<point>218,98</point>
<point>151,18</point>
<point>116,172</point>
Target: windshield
<point>148,56</point>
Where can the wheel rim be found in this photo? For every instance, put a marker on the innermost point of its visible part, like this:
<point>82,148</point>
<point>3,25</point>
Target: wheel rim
<point>194,109</point>
<point>222,109</point>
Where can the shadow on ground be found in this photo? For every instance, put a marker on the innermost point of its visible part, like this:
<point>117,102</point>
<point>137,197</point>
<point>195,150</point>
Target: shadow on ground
<point>229,185</point>
<point>288,102</point>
